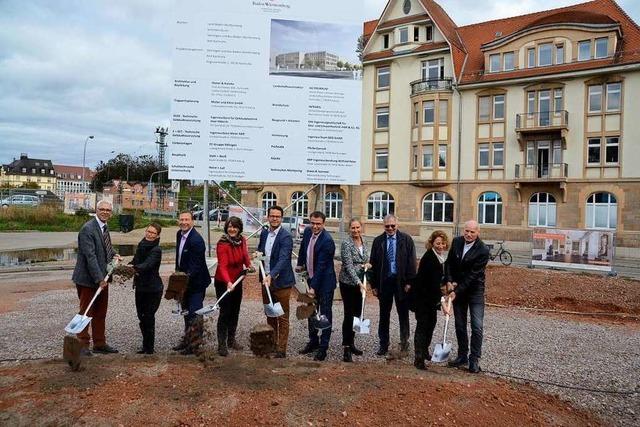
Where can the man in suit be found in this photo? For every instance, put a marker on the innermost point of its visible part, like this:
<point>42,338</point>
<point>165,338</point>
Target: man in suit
<point>95,251</point>
<point>393,266</point>
<point>276,244</point>
<point>464,272</point>
<point>190,259</point>
<point>316,255</point>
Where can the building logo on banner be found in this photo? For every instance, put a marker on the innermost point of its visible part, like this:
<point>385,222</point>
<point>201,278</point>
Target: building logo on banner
<point>578,249</point>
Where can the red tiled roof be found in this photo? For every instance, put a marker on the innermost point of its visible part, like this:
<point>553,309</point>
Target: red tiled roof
<point>390,53</point>
<point>369,27</point>
<point>403,20</point>
<point>474,36</point>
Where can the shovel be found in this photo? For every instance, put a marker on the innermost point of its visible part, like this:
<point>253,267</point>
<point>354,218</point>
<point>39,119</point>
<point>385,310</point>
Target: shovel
<point>270,309</point>
<point>360,324</point>
<point>320,321</point>
<point>441,351</point>
<point>214,308</point>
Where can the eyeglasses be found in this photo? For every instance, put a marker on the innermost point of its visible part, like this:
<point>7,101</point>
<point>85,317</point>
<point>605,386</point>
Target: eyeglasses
<point>389,226</point>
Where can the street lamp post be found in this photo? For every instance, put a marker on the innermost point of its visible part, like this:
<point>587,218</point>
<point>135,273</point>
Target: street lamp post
<point>84,156</point>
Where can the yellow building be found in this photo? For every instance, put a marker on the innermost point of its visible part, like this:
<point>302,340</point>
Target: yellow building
<point>25,170</point>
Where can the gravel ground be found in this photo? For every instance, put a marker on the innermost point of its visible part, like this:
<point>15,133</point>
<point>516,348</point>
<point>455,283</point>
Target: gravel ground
<point>519,344</point>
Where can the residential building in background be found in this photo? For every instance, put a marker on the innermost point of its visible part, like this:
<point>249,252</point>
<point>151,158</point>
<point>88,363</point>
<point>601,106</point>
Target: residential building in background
<point>25,171</point>
<point>141,196</point>
<point>518,123</point>
<point>69,179</point>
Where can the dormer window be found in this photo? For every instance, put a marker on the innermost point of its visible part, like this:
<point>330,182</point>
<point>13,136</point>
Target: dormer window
<point>602,48</point>
<point>416,34</point>
<point>404,34</point>
<point>584,50</point>
<point>385,41</point>
<point>429,30</point>
<point>560,53</point>
<point>531,58</point>
<point>494,63</point>
<point>508,61</point>
<point>545,54</point>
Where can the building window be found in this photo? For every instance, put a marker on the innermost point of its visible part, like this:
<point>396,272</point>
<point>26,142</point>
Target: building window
<point>595,99</point>
<point>611,150</point>
<point>416,34</point>
<point>531,58</point>
<point>584,50</point>
<point>494,63</point>
<point>33,170</point>
<point>557,153</point>
<point>442,156</point>
<point>24,170</point>
<point>558,102</point>
<point>404,34</point>
<point>379,205</point>
<point>531,103</point>
<point>602,48</point>
<point>498,107</point>
<point>483,155</point>
<point>508,62</point>
<point>382,160</point>
<point>384,77</point>
<point>484,108</point>
<point>602,211</point>
<point>498,154</point>
<point>593,151</point>
<point>301,207</point>
<point>429,29</point>
<point>385,41</point>
<point>433,69</point>
<point>613,96</point>
<point>429,113</point>
<point>382,118</point>
<point>490,208</point>
<point>414,157</point>
<point>437,207</point>
<point>416,113</point>
<point>427,156</point>
<point>545,52</point>
<point>542,210</point>
<point>268,199</point>
<point>560,53</point>
<point>333,204</point>
<point>443,111</point>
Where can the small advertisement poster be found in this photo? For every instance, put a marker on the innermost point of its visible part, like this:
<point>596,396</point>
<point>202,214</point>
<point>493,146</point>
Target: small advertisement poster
<point>249,223</point>
<point>579,249</point>
<point>76,201</point>
<point>266,91</point>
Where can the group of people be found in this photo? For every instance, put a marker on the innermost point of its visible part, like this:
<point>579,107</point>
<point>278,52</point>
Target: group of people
<point>388,265</point>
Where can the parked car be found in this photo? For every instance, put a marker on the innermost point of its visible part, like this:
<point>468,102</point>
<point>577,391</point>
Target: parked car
<point>295,225</point>
<point>20,200</point>
<point>213,215</point>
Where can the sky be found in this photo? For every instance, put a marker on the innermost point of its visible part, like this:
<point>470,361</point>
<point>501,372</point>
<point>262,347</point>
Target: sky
<point>74,68</point>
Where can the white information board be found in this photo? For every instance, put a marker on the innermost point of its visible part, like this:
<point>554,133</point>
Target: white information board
<point>266,91</point>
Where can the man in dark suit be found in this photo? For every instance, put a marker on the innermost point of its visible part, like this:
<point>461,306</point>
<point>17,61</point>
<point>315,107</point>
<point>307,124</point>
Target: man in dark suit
<point>465,267</point>
<point>316,255</point>
<point>276,244</point>
<point>393,266</point>
<point>95,251</point>
<point>190,259</point>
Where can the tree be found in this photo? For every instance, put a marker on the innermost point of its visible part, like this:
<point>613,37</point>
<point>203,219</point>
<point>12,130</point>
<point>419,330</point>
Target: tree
<point>339,64</point>
<point>139,168</point>
<point>348,66</point>
<point>360,46</point>
<point>30,184</point>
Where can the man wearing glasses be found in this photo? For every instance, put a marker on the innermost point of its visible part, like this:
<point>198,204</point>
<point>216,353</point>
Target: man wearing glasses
<point>393,261</point>
<point>276,243</point>
<point>95,251</point>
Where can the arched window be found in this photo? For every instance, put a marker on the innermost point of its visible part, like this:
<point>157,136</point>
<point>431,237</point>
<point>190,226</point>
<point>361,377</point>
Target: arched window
<point>268,199</point>
<point>380,204</point>
<point>333,204</point>
<point>301,207</point>
<point>437,207</point>
<point>602,211</point>
<point>490,208</point>
<point>542,210</point>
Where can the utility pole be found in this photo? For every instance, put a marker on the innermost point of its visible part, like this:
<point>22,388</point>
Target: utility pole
<point>161,133</point>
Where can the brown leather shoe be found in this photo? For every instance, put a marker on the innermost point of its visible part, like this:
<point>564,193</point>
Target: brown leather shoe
<point>105,349</point>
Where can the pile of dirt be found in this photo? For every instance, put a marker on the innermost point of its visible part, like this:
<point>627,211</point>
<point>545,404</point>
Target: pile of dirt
<point>262,339</point>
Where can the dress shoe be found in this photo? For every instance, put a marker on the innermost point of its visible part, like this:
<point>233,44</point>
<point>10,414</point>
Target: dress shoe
<point>347,354</point>
<point>105,349</point>
<point>143,351</point>
<point>186,351</point>
<point>235,346</point>
<point>404,346</point>
<point>179,347</point>
<point>459,361</point>
<point>85,352</point>
<point>419,364</point>
<point>279,355</point>
<point>382,351</point>
<point>223,351</point>
<point>320,355</point>
<point>356,351</point>
<point>309,348</point>
<point>474,366</point>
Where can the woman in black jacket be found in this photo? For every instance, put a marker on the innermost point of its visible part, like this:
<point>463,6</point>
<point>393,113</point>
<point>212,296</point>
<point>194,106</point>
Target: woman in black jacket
<point>425,295</point>
<point>148,284</point>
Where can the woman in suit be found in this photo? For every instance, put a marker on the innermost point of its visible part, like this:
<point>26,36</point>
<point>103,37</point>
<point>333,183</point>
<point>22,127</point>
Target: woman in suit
<point>425,295</point>
<point>233,258</point>
<point>148,284</point>
<point>354,255</point>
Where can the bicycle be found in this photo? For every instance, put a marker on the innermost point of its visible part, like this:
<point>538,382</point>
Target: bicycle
<point>502,254</point>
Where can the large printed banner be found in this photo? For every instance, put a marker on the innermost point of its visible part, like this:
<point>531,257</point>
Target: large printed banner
<point>579,249</point>
<point>266,91</point>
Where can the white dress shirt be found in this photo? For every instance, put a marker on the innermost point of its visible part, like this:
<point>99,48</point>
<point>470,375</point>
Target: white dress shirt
<point>466,248</point>
<point>183,240</point>
<point>268,246</point>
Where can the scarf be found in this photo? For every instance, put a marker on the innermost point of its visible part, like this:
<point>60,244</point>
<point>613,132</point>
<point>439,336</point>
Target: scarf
<point>234,241</point>
<point>440,257</point>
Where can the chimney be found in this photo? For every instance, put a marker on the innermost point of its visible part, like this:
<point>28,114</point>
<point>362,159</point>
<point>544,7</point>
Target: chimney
<point>23,156</point>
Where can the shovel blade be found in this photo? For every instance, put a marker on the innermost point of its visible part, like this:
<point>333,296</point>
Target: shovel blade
<point>273,310</point>
<point>77,324</point>
<point>362,327</point>
<point>441,352</point>
<point>209,309</point>
<point>321,322</point>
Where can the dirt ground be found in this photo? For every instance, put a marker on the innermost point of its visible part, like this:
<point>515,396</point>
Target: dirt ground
<point>241,390</point>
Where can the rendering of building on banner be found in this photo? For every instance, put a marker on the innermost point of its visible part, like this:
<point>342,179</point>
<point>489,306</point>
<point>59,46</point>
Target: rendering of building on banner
<point>521,123</point>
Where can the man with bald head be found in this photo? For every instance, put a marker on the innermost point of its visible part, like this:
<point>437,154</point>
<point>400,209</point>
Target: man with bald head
<point>464,270</point>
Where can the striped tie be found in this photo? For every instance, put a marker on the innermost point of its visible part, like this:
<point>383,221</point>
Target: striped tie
<point>107,243</point>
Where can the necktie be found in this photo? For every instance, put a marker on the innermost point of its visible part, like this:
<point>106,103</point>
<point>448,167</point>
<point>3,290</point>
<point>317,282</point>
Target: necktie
<point>107,243</point>
<point>391,254</point>
<point>312,246</point>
